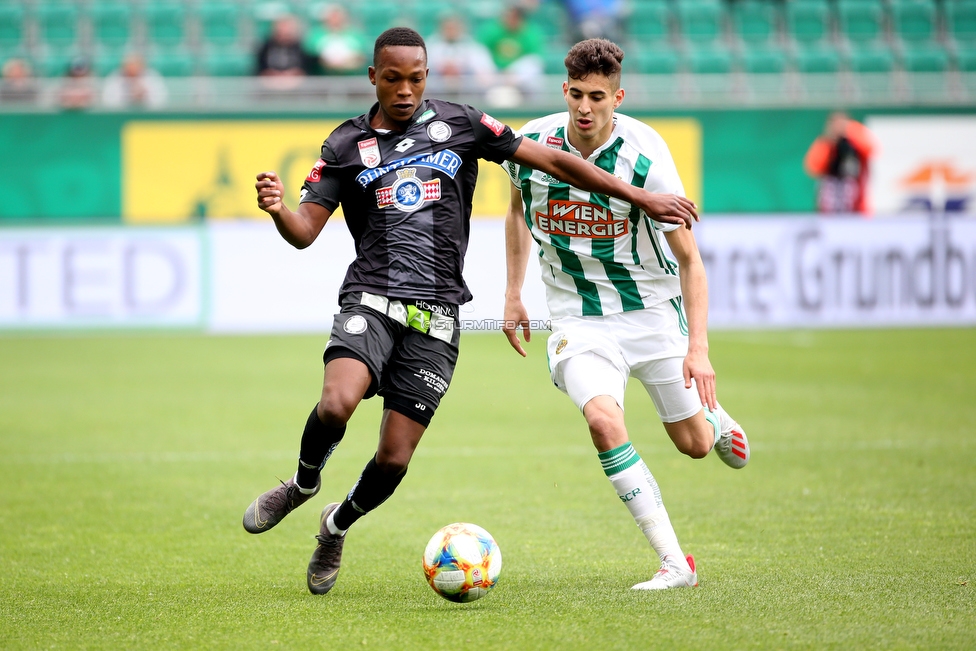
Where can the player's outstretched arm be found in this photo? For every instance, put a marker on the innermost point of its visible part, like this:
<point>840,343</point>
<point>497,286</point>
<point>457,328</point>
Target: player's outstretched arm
<point>299,227</point>
<point>665,208</point>
<point>694,295</point>
<point>518,245</point>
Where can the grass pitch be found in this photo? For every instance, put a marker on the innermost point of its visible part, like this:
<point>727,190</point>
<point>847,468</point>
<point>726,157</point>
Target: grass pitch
<point>126,462</point>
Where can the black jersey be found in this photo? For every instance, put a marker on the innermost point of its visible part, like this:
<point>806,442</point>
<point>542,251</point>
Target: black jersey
<point>407,196</point>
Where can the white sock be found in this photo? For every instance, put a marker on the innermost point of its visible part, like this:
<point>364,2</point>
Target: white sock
<point>638,490</point>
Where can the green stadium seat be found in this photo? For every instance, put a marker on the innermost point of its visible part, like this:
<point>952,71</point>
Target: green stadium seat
<point>755,21</point>
<point>656,61</point>
<point>817,59</point>
<point>708,59</point>
<point>763,59</point>
<point>914,20</point>
<point>925,58</point>
<point>860,22</point>
<point>166,24</point>
<point>960,18</point>
<point>965,59</point>
<point>700,21</point>
<point>53,63</point>
<point>57,24</point>
<point>230,62</point>
<point>808,21</point>
<point>175,63</point>
<point>553,59</point>
<point>876,58</point>
<point>107,61</point>
<point>649,23</point>
<point>220,23</point>
<point>375,17</point>
<point>12,30</point>
<point>111,23</point>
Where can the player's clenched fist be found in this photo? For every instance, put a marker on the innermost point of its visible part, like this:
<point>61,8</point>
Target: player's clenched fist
<point>270,190</point>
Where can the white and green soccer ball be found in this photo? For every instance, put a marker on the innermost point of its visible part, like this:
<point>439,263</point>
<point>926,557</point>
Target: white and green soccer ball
<point>462,562</point>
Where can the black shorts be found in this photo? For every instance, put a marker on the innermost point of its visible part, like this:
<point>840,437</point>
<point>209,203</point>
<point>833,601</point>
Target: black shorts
<point>411,369</point>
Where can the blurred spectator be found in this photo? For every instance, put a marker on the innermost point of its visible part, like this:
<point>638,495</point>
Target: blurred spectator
<point>340,48</point>
<point>77,91</point>
<point>134,85</point>
<point>516,45</point>
<point>282,53</point>
<point>839,160</point>
<point>18,85</point>
<point>458,63</point>
<point>595,18</point>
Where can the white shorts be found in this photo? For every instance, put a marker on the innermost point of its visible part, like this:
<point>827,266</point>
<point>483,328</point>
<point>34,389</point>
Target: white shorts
<point>594,356</point>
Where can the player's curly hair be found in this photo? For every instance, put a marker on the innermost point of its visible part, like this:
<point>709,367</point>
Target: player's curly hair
<point>398,36</point>
<point>595,55</point>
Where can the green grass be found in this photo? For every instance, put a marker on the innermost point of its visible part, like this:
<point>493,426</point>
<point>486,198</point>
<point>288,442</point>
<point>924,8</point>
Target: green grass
<point>126,462</point>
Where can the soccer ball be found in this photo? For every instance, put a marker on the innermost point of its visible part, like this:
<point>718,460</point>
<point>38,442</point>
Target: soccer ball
<point>462,562</point>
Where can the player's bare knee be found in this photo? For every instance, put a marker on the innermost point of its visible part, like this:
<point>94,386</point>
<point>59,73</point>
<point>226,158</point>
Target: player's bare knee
<point>335,410</point>
<point>392,462</point>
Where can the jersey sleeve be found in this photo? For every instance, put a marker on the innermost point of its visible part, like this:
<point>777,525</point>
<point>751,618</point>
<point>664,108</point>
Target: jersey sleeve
<point>323,183</point>
<point>662,177</point>
<point>494,141</point>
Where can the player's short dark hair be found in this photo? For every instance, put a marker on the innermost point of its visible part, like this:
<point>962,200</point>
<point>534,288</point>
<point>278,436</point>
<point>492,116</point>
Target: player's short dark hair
<point>595,55</point>
<point>398,36</point>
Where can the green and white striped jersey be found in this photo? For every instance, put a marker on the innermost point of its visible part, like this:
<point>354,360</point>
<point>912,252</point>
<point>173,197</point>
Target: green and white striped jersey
<point>600,255</point>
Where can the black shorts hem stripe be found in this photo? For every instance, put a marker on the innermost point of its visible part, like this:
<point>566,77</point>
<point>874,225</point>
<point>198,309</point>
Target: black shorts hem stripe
<point>408,407</point>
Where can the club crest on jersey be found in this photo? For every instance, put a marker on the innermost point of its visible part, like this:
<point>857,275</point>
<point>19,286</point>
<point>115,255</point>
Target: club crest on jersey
<point>496,127</point>
<point>316,173</point>
<point>408,193</point>
<point>554,142</point>
<point>438,131</point>
<point>369,152</point>
<point>580,219</point>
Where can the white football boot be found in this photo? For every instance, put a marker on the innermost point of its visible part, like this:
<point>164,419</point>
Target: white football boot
<point>732,446</point>
<point>671,576</point>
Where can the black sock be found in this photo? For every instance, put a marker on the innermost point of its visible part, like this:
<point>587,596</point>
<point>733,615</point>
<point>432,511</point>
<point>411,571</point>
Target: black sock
<point>372,489</point>
<point>318,443</point>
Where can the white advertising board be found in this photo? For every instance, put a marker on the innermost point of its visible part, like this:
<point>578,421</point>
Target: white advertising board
<point>923,164</point>
<point>764,272</point>
<point>100,277</point>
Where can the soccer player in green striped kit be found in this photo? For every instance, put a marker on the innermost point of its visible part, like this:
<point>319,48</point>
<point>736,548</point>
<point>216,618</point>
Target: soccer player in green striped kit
<point>620,306</point>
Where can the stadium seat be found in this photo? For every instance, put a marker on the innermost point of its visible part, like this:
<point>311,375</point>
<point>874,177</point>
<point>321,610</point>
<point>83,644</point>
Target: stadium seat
<point>965,59</point>
<point>649,23</point>
<point>701,21</point>
<point>230,62</point>
<point>656,61</point>
<point>175,63</point>
<point>111,23</point>
<point>877,58</point>
<point>375,17</point>
<point>925,58</point>
<point>53,63</point>
<point>708,59</point>
<point>860,21</point>
<point>817,59</point>
<point>808,21</point>
<point>763,59</point>
<point>960,18</point>
<point>914,20</point>
<point>166,24</point>
<point>57,24</point>
<point>107,61</point>
<point>755,21</point>
<point>220,23</point>
<point>11,28</point>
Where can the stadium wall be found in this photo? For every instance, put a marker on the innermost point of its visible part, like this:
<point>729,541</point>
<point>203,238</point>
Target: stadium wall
<point>239,276</point>
<point>172,168</point>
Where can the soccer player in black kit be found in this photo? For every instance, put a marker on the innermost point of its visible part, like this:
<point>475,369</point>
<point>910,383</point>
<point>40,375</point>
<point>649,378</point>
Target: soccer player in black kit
<point>404,173</point>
